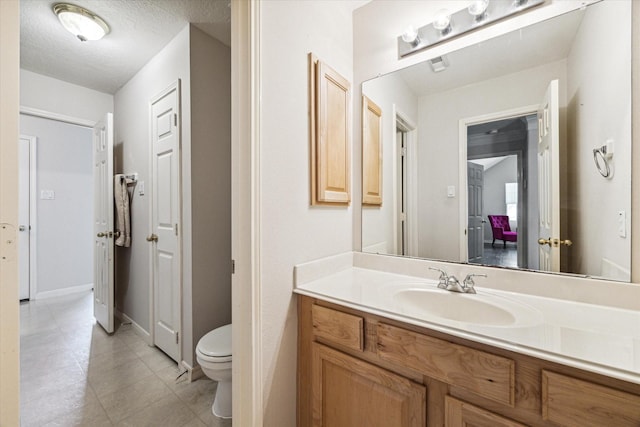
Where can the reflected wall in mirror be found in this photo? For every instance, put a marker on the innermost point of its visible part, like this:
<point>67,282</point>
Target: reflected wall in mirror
<point>506,129</point>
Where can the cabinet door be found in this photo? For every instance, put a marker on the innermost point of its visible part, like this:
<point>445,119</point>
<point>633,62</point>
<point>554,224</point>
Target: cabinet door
<point>462,414</point>
<point>348,392</point>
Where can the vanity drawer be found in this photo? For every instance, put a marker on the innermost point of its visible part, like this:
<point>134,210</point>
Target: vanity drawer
<point>488,375</point>
<point>461,414</point>
<point>570,401</point>
<point>338,327</point>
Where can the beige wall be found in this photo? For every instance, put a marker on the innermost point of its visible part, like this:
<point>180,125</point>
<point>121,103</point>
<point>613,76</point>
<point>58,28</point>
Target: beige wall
<point>378,221</point>
<point>62,98</point>
<point>131,154</point>
<point>210,157</point>
<point>438,146</point>
<point>9,107</point>
<point>203,66</point>
<point>599,108</point>
<point>292,231</point>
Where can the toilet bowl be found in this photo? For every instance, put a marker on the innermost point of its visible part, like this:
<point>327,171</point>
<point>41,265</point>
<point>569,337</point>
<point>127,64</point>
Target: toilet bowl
<point>213,353</point>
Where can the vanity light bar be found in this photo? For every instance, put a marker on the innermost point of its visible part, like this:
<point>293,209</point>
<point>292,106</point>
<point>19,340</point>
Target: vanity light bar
<point>461,22</point>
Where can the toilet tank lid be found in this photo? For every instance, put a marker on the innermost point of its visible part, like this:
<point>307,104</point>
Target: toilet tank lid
<point>216,343</point>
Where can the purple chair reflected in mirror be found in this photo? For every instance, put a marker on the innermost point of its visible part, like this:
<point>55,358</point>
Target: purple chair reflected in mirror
<point>501,230</point>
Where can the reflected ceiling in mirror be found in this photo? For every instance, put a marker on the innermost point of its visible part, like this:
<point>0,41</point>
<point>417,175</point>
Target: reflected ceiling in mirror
<point>470,135</point>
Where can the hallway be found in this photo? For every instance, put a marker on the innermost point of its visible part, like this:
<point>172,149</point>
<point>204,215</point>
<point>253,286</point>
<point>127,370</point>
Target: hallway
<point>74,374</point>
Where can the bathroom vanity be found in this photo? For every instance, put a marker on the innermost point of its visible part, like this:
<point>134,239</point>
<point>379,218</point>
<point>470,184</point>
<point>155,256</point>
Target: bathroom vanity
<point>368,357</point>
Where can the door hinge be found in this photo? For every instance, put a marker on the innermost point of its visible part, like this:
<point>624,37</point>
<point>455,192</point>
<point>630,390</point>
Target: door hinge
<point>403,151</point>
<point>176,229</point>
<point>175,119</point>
<point>177,337</point>
<point>233,266</point>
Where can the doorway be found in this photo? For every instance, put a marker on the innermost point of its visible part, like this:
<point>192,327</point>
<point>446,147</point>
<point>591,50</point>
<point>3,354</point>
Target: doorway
<point>59,206</point>
<point>502,146</point>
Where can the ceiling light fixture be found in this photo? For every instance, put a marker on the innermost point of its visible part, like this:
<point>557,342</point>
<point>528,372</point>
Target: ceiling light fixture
<point>80,22</point>
<point>446,25</point>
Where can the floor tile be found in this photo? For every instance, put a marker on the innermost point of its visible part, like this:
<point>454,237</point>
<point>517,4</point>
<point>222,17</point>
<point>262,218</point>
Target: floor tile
<point>75,374</point>
<point>76,401</point>
<point>108,381</point>
<point>198,395</point>
<point>169,412</point>
<point>127,401</point>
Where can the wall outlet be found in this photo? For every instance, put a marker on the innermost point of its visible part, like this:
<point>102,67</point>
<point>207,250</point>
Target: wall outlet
<point>622,224</point>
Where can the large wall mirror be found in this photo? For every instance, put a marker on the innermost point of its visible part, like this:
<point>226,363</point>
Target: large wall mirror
<point>513,152</point>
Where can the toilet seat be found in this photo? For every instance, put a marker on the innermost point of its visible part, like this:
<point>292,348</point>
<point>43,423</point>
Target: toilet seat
<point>215,346</point>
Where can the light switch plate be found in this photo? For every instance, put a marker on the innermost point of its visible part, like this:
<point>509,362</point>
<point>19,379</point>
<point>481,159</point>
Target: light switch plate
<point>141,188</point>
<point>451,191</point>
<point>47,194</point>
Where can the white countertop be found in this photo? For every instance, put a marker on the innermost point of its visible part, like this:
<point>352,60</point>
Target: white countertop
<point>596,338</point>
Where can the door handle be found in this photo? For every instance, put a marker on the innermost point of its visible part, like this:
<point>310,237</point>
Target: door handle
<point>555,242</point>
<point>101,234</point>
<point>542,242</point>
<point>152,238</point>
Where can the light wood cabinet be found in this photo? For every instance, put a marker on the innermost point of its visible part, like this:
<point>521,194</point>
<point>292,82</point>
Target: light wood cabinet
<point>330,134</point>
<point>371,153</point>
<point>462,414</point>
<point>350,392</point>
<point>359,369</point>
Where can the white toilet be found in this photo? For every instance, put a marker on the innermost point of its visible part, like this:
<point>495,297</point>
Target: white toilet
<point>213,353</point>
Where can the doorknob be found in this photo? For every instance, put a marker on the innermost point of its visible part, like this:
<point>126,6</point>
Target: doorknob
<point>555,242</point>
<point>544,241</point>
<point>22,228</point>
<point>152,238</point>
<point>101,234</point>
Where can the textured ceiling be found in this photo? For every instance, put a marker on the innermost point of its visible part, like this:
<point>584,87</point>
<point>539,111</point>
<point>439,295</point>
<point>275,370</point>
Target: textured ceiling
<point>139,30</point>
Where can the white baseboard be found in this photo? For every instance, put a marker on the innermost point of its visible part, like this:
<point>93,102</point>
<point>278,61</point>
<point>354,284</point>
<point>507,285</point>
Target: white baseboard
<point>64,291</point>
<point>139,330</point>
<point>192,373</point>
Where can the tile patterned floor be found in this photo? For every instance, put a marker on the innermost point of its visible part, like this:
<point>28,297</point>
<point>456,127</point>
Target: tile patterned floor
<point>74,374</point>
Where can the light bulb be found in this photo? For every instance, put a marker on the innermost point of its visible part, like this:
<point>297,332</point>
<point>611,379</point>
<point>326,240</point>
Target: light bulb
<point>477,8</point>
<point>442,22</point>
<point>410,35</point>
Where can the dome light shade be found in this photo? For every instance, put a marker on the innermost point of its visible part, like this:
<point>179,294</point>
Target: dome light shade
<point>80,22</point>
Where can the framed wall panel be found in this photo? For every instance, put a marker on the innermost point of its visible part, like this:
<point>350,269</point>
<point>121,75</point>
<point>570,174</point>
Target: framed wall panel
<point>330,134</point>
<point>371,153</point>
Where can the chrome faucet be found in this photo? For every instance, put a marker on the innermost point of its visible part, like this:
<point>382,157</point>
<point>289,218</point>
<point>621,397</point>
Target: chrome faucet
<point>443,279</point>
<point>468,283</point>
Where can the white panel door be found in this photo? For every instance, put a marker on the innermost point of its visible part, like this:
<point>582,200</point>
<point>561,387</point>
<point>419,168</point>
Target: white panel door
<point>165,220</point>
<point>475,223</point>
<point>24,214</point>
<point>103,284</point>
<point>549,179</point>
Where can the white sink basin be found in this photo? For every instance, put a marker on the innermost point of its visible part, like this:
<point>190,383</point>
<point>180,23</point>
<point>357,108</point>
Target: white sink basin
<point>479,309</point>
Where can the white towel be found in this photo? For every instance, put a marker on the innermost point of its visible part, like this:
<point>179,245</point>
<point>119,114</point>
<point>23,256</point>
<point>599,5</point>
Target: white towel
<point>123,216</point>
